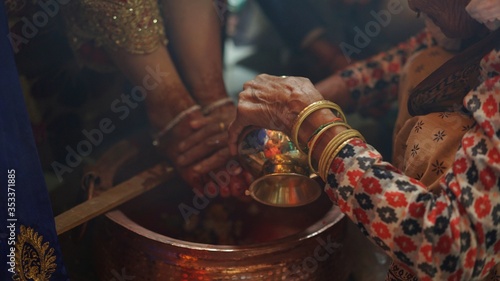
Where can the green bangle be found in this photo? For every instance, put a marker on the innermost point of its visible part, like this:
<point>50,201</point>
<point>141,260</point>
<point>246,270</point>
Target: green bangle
<point>322,127</point>
<point>301,117</point>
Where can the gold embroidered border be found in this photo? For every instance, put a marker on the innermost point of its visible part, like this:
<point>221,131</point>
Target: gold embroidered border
<point>35,260</point>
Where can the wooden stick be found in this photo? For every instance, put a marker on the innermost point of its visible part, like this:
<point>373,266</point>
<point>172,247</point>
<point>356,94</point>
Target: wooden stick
<point>114,197</point>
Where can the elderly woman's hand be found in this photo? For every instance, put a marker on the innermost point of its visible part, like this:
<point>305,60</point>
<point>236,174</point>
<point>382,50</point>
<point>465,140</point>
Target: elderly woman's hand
<point>271,102</point>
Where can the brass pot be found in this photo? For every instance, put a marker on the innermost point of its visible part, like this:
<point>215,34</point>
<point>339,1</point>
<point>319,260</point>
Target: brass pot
<point>282,171</point>
<point>304,243</point>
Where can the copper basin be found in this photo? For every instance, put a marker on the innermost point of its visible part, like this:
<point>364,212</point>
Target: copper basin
<point>148,238</point>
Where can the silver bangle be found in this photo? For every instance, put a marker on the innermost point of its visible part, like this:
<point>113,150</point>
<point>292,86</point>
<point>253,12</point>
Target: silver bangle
<point>173,122</point>
<point>216,104</point>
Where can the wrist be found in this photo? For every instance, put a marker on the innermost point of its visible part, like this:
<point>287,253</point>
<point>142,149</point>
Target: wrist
<point>220,103</point>
<point>315,120</point>
<point>316,114</point>
<point>321,144</point>
<point>209,90</point>
<point>174,122</point>
<point>162,109</point>
<point>333,148</point>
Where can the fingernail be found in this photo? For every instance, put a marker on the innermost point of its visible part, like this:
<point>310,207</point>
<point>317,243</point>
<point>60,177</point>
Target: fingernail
<point>197,168</point>
<point>182,145</point>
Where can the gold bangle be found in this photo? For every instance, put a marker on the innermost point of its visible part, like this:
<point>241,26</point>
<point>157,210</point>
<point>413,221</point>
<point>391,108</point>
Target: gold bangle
<point>316,138</point>
<point>328,150</point>
<point>306,112</point>
<point>329,159</point>
<point>337,143</point>
<point>336,153</point>
<point>331,147</point>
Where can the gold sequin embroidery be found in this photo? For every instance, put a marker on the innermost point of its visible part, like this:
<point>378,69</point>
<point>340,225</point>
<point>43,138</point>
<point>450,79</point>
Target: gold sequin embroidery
<point>132,25</point>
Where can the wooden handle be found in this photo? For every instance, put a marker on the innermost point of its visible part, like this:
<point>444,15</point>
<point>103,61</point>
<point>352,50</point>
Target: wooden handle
<point>114,197</point>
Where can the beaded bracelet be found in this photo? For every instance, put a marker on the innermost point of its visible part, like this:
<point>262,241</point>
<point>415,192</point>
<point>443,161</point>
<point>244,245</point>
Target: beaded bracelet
<point>308,110</point>
<point>173,122</point>
<point>216,104</point>
<point>316,137</point>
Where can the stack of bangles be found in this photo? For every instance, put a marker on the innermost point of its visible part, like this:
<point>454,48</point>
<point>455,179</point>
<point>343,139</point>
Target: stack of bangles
<point>334,147</point>
<point>177,119</point>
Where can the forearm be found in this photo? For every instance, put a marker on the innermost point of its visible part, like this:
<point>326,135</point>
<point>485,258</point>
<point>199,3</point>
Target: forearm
<point>132,34</point>
<point>419,229</point>
<point>194,31</point>
<point>370,86</point>
<point>165,93</point>
<point>439,236</point>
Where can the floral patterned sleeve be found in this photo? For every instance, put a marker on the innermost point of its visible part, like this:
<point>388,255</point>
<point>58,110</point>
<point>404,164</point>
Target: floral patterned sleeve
<point>373,83</point>
<point>451,236</point>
